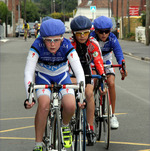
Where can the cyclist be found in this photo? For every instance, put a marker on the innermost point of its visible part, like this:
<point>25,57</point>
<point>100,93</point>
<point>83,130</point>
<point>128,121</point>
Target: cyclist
<point>43,19</point>
<point>26,28</point>
<point>48,59</point>
<point>109,43</point>
<point>88,50</point>
<point>37,28</point>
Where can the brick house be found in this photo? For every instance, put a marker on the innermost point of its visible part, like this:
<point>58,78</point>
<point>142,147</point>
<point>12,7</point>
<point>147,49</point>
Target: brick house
<point>10,7</point>
<point>107,7</point>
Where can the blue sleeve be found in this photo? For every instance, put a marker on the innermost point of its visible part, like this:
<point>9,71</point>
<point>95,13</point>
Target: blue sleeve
<point>117,49</point>
<point>93,34</point>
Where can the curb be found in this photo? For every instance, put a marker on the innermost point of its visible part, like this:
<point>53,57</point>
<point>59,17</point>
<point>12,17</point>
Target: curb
<point>141,58</point>
<point>4,40</point>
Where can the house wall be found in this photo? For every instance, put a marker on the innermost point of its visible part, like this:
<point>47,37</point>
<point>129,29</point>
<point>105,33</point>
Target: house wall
<point>140,3</point>
<point>16,7</point>
<point>86,12</point>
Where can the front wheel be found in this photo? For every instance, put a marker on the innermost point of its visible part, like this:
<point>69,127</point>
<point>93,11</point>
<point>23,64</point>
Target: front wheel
<point>106,116</point>
<point>57,144</point>
<point>80,130</point>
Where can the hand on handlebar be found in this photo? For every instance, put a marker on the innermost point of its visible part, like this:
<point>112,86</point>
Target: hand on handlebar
<point>103,92</point>
<point>123,73</point>
<point>27,105</point>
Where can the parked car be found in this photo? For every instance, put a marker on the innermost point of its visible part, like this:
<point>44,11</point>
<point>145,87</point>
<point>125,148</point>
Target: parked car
<point>19,30</point>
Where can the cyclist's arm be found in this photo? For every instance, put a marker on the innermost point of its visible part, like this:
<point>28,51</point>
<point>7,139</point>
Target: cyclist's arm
<point>32,59</point>
<point>28,27</point>
<point>23,26</point>
<point>98,61</point>
<point>76,66</point>
<point>117,50</point>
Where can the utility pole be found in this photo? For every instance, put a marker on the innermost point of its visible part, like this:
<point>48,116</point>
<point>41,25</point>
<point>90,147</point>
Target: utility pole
<point>128,16</point>
<point>112,14</point>
<point>24,10</point>
<point>108,8</point>
<point>122,14</point>
<point>147,30</point>
<point>13,16</point>
<point>117,20</point>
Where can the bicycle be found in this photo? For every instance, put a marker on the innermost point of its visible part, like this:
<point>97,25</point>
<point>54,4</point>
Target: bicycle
<point>25,34</point>
<point>103,109</point>
<point>78,127</point>
<point>53,137</point>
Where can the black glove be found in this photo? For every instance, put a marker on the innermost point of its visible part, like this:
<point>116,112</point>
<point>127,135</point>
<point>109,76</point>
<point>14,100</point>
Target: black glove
<point>25,105</point>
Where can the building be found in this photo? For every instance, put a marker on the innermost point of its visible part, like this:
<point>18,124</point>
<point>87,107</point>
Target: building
<point>139,4</point>
<point>102,8</point>
<point>109,8</point>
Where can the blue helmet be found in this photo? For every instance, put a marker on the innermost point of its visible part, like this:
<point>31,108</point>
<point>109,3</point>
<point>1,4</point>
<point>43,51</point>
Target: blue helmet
<point>80,23</point>
<point>46,18</point>
<point>52,27</point>
<point>103,22</point>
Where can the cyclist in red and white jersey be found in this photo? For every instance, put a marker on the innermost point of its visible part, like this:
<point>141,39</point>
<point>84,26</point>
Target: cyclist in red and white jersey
<point>88,50</point>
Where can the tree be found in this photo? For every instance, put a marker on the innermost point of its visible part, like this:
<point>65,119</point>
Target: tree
<point>32,13</point>
<point>4,11</point>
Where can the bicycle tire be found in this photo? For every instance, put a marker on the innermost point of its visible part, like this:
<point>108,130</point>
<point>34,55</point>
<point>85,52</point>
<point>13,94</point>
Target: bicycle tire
<point>57,143</point>
<point>106,121</point>
<point>97,119</point>
<point>80,130</point>
<point>46,138</point>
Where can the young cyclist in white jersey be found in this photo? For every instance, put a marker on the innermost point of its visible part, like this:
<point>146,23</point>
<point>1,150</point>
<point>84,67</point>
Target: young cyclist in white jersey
<point>48,60</point>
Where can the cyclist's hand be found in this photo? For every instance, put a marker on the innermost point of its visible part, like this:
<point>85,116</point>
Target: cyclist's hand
<point>27,105</point>
<point>82,106</point>
<point>103,92</point>
<point>123,74</point>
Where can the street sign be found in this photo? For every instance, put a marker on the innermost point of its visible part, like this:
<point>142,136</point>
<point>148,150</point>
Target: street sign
<point>134,10</point>
<point>93,8</point>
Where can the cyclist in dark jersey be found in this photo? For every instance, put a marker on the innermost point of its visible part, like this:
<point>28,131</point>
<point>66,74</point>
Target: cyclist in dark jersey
<point>88,50</point>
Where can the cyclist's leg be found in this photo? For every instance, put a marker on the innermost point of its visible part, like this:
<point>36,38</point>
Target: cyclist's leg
<point>90,103</point>
<point>112,92</point>
<point>43,96</point>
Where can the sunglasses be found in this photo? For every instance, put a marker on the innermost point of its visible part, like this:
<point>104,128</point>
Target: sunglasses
<point>55,40</point>
<point>84,33</point>
<point>104,31</point>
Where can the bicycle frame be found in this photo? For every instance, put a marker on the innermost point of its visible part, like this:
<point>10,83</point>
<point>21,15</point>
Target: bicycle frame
<point>54,114</point>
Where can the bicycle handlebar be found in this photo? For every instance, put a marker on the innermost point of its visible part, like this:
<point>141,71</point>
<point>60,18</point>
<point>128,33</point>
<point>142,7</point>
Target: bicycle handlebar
<point>123,66</point>
<point>33,87</point>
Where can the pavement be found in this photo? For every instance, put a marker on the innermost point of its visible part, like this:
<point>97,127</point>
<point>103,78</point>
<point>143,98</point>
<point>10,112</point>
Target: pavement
<point>135,49</point>
<point>131,48</point>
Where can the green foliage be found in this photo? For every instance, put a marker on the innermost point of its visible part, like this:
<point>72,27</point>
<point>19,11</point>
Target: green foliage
<point>143,18</point>
<point>61,6</point>
<point>62,16</point>
<point>130,35</point>
<point>3,11</point>
<point>57,15</point>
<point>32,13</point>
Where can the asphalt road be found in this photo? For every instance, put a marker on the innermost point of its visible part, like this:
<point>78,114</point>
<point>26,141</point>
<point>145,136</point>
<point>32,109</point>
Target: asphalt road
<point>17,124</point>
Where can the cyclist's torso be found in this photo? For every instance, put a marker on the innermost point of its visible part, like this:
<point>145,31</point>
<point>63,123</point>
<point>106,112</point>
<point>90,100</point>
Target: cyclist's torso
<point>26,26</point>
<point>110,45</point>
<point>48,63</point>
<point>89,52</point>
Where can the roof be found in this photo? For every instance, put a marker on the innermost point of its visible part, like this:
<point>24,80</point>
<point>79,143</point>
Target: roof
<point>97,3</point>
